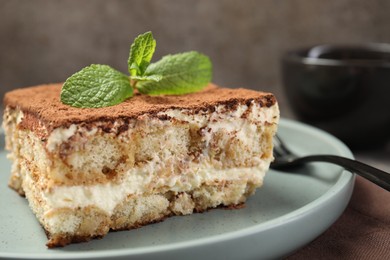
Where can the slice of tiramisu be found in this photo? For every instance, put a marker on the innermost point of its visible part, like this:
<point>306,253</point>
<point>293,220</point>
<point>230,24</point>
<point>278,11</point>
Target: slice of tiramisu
<point>85,171</point>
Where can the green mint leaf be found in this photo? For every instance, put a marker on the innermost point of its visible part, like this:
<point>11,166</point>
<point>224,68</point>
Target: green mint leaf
<point>155,78</point>
<point>181,74</point>
<point>101,85</point>
<point>96,86</point>
<point>141,52</point>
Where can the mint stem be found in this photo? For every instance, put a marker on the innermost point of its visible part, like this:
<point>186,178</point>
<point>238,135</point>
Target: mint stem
<point>133,83</point>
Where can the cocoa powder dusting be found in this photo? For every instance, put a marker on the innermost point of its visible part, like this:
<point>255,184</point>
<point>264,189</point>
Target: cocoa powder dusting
<point>42,104</point>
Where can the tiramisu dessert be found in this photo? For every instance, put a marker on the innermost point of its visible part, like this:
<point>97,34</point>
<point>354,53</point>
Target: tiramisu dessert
<point>86,171</point>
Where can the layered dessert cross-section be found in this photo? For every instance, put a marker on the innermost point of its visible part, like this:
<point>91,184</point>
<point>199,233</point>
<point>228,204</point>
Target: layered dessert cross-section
<point>85,171</point>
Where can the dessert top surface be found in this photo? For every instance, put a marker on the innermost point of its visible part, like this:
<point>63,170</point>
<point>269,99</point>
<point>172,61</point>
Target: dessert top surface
<point>44,102</point>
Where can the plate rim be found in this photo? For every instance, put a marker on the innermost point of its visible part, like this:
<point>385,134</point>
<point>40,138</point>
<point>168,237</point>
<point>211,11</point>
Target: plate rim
<point>346,178</point>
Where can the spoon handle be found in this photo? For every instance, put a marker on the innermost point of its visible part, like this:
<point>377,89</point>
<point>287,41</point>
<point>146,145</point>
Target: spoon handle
<point>379,177</point>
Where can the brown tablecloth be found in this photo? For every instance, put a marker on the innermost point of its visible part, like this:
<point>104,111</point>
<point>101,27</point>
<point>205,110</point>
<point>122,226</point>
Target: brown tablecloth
<point>362,231</point>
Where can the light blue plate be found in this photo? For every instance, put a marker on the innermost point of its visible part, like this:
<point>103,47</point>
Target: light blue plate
<point>289,211</point>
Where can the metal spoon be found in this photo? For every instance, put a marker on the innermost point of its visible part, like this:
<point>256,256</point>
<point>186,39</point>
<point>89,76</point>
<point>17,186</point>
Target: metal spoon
<point>285,159</point>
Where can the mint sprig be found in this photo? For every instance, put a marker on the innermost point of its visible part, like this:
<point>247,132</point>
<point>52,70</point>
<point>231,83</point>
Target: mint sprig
<point>101,86</point>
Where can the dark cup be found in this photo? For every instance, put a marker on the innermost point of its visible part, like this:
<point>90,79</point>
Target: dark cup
<point>344,90</point>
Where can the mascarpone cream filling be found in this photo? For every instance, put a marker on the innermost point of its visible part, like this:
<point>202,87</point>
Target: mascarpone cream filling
<point>138,181</point>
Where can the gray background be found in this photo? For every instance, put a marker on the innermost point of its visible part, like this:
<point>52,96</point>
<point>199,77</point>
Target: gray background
<point>45,41</point>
